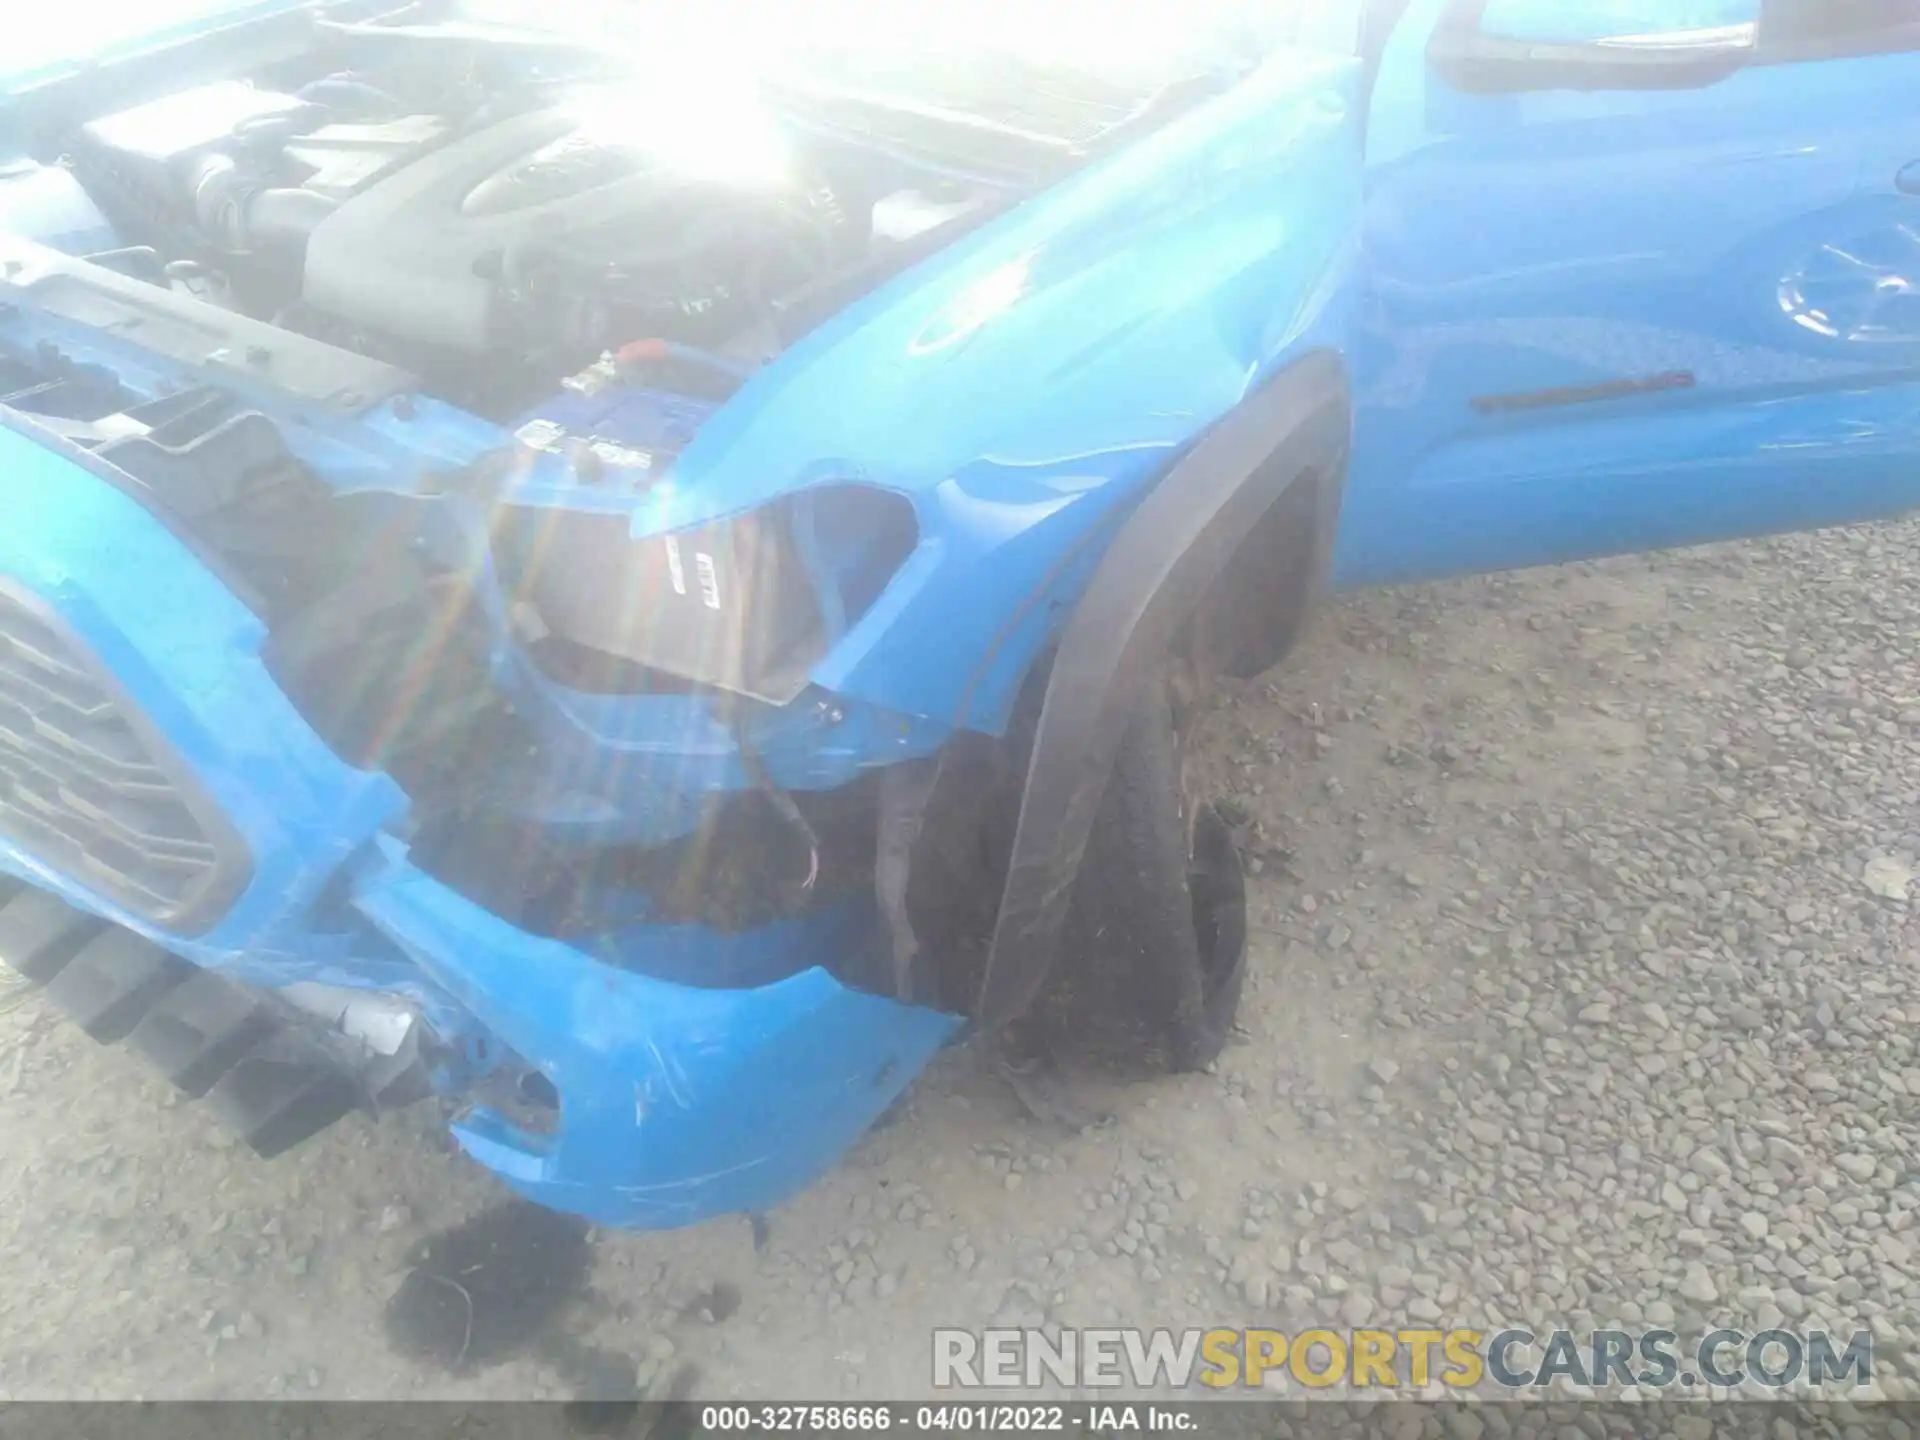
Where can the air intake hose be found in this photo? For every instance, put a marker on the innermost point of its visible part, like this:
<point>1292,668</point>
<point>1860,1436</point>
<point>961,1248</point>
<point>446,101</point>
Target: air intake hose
<point>240,215</point>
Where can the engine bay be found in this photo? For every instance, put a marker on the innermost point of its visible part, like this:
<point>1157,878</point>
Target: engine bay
<point>492,255</point>
<point>496,211</point>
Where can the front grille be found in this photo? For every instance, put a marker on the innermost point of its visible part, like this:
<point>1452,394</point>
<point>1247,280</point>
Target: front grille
<point>90,789</point>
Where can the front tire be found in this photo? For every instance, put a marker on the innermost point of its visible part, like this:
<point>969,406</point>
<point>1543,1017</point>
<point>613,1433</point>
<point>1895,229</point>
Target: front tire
<point>1155,943</point>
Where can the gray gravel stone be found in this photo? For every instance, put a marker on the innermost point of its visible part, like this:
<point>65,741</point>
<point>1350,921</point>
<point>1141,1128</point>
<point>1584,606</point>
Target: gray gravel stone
<point>1697,1285</point>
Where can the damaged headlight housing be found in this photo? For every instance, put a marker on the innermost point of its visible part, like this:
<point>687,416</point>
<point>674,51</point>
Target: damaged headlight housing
<point>747,605</point>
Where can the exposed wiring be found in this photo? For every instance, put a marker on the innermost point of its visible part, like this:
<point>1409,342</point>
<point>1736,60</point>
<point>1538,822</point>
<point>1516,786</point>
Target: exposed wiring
<point>783,803</point>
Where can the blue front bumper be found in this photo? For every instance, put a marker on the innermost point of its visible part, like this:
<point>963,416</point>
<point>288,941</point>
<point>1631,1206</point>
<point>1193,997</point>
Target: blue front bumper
<point>676,1103</point>
<point>677,1099</point>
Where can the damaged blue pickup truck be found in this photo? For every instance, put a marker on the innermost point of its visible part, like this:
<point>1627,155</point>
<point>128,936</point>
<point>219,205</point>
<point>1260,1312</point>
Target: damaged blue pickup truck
<point>638,572</point>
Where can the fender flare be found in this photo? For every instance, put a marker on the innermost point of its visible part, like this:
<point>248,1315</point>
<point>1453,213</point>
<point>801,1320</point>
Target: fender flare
<point>1148,584</point>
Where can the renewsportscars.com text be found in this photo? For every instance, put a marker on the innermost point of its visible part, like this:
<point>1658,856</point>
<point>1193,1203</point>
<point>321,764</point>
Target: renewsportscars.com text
<point>1458,1359</point>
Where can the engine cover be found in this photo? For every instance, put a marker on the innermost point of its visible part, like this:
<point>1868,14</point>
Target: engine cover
<point>437,254</point>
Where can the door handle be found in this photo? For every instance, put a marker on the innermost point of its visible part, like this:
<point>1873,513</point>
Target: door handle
<point>1908,179</point>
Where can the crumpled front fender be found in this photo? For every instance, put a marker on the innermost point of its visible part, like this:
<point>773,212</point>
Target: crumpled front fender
<point>677,1104</point>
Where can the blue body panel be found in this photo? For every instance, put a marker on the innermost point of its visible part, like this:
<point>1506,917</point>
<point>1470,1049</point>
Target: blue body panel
<point>1557,239</point>
<point>1022,386</point>
<point>1564,20</point>
<point>1575,323</point>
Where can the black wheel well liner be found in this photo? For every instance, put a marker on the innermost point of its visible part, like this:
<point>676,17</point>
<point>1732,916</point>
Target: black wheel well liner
<point>1151,580</point>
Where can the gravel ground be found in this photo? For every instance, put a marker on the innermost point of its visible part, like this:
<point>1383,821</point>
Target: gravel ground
<point>1583,994</point>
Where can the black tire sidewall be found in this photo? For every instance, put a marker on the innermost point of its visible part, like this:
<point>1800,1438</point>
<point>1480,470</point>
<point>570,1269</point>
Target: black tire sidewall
<point>1154,945</point>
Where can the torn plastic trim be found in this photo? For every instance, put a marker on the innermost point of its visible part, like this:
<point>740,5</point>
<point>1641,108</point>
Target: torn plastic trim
<point>385,1024</point>
<point>1148,584</point>
<point>676,1104</point>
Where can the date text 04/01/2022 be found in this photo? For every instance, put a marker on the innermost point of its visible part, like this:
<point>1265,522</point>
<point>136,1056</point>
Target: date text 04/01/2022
<point>986,1418</point>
